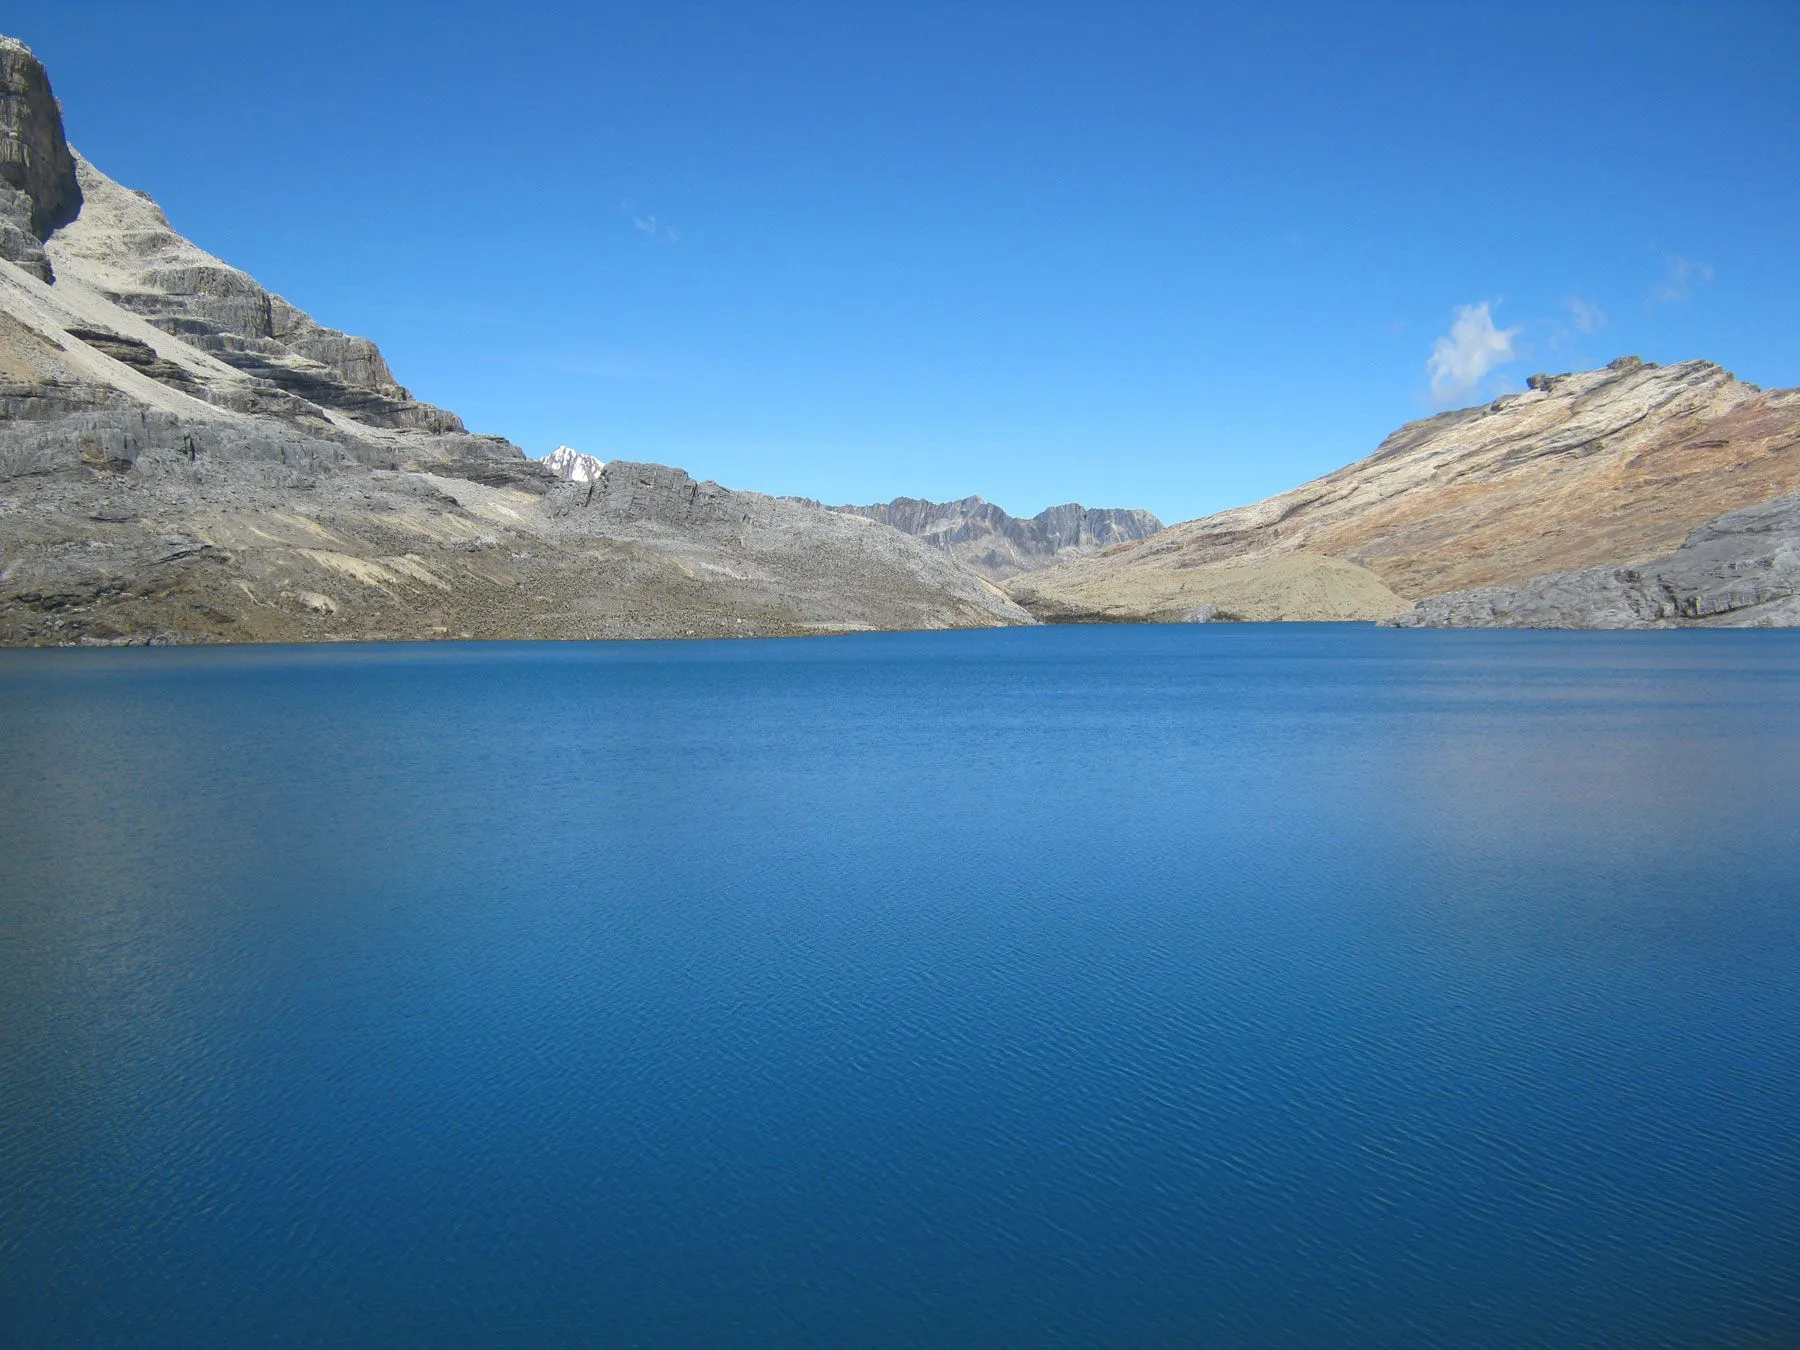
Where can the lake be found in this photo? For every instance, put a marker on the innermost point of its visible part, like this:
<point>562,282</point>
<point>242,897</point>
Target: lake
<point>1224,985</point>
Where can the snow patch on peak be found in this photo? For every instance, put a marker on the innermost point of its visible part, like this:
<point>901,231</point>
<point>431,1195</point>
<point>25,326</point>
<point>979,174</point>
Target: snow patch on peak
<point>570,465</point>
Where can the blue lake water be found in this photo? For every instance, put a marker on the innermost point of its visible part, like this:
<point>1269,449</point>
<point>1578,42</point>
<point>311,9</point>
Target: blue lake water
<point>1225,985</point>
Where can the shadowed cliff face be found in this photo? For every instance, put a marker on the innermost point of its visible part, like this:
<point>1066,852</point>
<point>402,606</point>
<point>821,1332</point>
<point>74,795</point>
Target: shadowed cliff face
<point>995,545</point>
<point>1603,468</point>
<point>186,457</point>
<point>38,188</point>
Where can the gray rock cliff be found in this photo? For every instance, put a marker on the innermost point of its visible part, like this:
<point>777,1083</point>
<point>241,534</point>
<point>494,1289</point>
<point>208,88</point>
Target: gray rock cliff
<point>1739,571</point>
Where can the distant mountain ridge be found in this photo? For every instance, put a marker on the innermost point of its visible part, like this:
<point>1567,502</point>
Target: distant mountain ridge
<point>988,541</point>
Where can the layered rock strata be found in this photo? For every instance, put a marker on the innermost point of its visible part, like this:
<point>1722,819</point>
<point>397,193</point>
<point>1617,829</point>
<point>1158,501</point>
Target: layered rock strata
<point>1606,468</point>
<point>121,246</point>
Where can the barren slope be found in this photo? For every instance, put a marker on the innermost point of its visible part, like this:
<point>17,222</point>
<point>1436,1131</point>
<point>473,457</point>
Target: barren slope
<point>1607,467</point>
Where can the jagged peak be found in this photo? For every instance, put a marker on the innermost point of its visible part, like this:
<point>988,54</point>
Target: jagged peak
<point>996,544</point>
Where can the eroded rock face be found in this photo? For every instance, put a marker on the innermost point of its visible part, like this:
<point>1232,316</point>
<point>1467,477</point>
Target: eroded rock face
<point>62,217</point>
<point>1739,571</point>
<point>122,246</point>
<point>990,542</point>
<point>38,188</point>
<point>1602,468</point>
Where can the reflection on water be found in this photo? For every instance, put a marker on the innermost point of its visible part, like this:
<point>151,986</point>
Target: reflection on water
<point>1222,985</point>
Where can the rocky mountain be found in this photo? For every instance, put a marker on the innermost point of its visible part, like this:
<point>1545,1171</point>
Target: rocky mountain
<point>572,466</point>
<point>986,540</point>
<point>1739,571</point>
<point>1606,469</point>
<point>185,456</point>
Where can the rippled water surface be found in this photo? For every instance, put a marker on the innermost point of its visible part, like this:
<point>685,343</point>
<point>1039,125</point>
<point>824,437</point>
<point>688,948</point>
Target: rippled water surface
<point>1216,986</point>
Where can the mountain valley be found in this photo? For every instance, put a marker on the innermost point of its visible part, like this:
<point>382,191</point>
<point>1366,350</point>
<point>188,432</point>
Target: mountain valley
<point>187,457</point>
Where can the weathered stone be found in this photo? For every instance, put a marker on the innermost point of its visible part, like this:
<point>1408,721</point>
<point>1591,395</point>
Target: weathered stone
<point>38,188</point>
<point>1741,570</point>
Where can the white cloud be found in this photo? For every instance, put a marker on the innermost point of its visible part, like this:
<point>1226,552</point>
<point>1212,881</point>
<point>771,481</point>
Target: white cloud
<point>1587,317</point>
<point>1679,276</point>
<point>655,228</point>
<point>1471,348</point>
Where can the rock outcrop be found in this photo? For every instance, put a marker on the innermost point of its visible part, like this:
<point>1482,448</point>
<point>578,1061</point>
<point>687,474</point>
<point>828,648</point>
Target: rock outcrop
<point>995,545</point>
<point>1607,468</point>
<point>185,457</point>
<point>1739,571</point>
<point>38,188</point>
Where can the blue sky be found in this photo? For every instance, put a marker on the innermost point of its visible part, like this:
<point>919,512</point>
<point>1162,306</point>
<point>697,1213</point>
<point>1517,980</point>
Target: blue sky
<point>1149,255</point>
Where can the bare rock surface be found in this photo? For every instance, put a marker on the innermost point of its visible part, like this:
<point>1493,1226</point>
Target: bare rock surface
<point>185,457</point>
<point>1608,468</point>
<point>122,247</point>
<point>1739,571</point>
<point>988,541</point>
<point>121,525</point>
<point>38,188</point>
